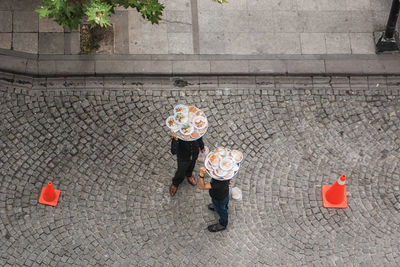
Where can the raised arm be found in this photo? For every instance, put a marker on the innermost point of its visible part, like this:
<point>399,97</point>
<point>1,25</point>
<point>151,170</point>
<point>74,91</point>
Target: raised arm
<point>200,183</point>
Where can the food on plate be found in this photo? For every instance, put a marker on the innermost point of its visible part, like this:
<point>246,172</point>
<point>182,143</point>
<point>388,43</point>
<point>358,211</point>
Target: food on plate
<point>181,109</point>
<point>172,124</point>
<point>214,159</point>
<point>187,129</point>
<point>229,174</point>
<point>221,150</point>
<point>193,109</point>
<point>220,172</point>
<point>181,118</point>
<point>199,113</point>
<point>236,155</point>
<point>200,122</point>
<point>202,130</point>
<point>226,164</point>
<point>195,135</point>
<point>185,136</point>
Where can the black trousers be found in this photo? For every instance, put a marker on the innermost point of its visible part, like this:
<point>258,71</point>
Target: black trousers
<point>185,169</point>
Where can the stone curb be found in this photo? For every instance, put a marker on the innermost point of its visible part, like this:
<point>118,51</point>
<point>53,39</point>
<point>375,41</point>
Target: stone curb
<point>350,84</point>
<point>175,65</point>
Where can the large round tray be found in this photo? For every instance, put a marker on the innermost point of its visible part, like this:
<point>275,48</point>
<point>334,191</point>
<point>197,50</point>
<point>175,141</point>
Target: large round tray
<point>219,177</point>
<point>200,132</point>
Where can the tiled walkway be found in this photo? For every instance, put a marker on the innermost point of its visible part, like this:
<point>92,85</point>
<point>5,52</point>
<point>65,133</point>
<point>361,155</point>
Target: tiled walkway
<point>242,27</point>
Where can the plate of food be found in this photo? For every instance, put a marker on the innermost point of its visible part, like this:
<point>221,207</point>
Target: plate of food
<point>181,109</point>
<point>226,164</point>
<point>214,159</point>
<point>200,122</point>
<point>236,155</point>
<point>229,174</point>
<point>186,129</point>
<point>181,118</point>
<point>172,124</point>
<point>221,151</point>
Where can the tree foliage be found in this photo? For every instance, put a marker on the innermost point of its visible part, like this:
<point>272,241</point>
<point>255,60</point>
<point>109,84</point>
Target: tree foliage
<point>69,13</point>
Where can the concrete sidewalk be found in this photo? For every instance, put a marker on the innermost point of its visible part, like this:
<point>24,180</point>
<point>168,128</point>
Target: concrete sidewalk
<point>242,27</point>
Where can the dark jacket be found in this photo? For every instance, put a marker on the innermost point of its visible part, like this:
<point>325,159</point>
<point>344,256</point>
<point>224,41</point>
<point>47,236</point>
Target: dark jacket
<point>186,150</point>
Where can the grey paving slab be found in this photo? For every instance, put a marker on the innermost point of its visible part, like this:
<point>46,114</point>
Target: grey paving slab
<point>5,21</point>
<point>180,43</point>
<point>362,43</point>
<point>313,43</point>
<point>5,40</point>
<point>90,144</point>
<point>25,21</point>
<point>49,25</point>
<point>72,43</point>
<point>191,67</point>
<point>9,63</point>
<point>337,43</point>
<point>51,43</point>
<point>25,42</point>
<point>262,21</point>
<point>298,66</point>
<point>6,5</point>
<point>178,21</point>
<point>229,66</point>
<point>121,34</point>
<point>75,67</point>
<point>211,43</point>
<point>267,66</point>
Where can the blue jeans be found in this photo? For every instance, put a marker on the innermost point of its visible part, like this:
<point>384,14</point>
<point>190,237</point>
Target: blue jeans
<point>221,207</point>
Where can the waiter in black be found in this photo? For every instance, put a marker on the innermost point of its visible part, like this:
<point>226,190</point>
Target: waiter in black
<point>187,153</point>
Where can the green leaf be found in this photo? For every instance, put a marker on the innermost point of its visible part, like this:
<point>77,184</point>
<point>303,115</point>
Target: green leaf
<point>98,12</point>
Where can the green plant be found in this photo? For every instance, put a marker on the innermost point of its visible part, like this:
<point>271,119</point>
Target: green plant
<point>68,13</point>
<point>221,1</point>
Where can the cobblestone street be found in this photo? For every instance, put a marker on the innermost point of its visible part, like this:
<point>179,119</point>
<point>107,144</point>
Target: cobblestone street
<point>106,147</point>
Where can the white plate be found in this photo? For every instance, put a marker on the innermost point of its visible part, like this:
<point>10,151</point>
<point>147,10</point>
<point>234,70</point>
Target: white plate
<point>190,129</point>
<point>200,118</point>
<point>226,164</point>
<point>174,127</point>
<point>236,155</point>
<point>219,172</point>
<point>181,118</point>
<point>181,109</point>
<point>229,174</point>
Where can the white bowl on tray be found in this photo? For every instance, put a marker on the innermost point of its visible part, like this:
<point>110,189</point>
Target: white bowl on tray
<point>226,163</point>
<point>236,155</point>
<point>200,122</point>
<point>186,129</point>
<point>181,118</point>
<point>171,123</point>
<point>181,109</point>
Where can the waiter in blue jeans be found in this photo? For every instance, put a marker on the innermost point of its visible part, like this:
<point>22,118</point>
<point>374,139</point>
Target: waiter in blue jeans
<point>219,192</point>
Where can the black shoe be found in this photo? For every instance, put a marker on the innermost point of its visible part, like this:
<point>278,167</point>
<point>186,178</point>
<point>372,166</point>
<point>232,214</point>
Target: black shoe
<point>211,207</point>
<point>216,227</point>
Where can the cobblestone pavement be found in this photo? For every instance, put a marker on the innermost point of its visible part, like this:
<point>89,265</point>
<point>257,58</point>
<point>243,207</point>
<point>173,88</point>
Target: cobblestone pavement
<point>108,153</point>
